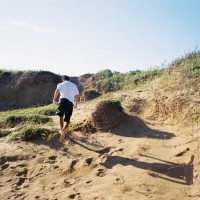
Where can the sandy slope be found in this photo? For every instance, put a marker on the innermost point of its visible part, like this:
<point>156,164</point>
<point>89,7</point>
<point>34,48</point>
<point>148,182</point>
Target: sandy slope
<point>142,158</point>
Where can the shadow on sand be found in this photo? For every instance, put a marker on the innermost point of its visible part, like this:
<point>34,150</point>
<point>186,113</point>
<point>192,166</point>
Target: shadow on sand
<point>52,142</point>
<point>83,142</point>
<point>174,172</point>
<point>133,126</point>
<point>130,126</point>
<point>71,139</point>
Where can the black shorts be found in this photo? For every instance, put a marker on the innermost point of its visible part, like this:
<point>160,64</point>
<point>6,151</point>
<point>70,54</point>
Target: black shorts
<point>65,107</point>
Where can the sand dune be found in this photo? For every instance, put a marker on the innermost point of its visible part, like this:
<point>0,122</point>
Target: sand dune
<point>141,158</point>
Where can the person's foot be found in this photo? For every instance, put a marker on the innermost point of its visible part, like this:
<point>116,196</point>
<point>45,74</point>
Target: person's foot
<point>62,140</point>
<point>62,136</point>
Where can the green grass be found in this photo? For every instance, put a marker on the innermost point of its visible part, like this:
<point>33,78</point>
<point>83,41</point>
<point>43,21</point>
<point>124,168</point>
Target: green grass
<point>27,123</point>
<point>45,110</point>
<point>29,132</point>
<point>111,103</point>
<point>189,64</point>
<point>39,115</point>
<point>188,67</point>
<point>137,78</point>
<point>93,90</point>
<point>90,94</point>
<point>11,72</point>
<point>42,110</point>
<point>4,132</point>
<point>190,85</point>
<point>12,120</point>
<point>20,72</point>
<point>108,81</point>
<point>15,72</point>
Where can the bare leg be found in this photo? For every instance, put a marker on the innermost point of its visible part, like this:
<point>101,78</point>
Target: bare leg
<point>64,131</point>
<point>65,126</point>
<point>61,123</point>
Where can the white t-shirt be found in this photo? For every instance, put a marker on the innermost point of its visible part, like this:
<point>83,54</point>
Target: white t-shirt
<point>68,90</point>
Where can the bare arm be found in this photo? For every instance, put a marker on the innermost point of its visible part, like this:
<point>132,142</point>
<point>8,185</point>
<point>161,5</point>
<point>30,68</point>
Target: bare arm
<point>56,93</point>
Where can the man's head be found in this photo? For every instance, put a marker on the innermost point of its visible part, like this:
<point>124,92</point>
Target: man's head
<point>65,78</point>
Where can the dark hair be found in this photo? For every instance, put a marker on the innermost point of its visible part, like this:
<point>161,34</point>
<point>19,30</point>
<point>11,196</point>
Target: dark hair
<point>66,78</point>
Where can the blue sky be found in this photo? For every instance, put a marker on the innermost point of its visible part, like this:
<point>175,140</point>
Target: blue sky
<point>75,37</point>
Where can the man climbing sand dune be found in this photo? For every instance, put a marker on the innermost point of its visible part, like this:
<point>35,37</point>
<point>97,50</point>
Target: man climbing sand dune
<point>69,96</point>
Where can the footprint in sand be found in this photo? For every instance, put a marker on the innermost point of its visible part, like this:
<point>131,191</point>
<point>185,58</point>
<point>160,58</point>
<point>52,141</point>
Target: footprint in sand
<point>88,182</point>
<point>182,152</point>
<point>4,166</point>
<point>65,149</point>
<point>71,168</point>
<point>89,161</point>
<point>117,151</point>
<point>120,141</point>
<point>118,181</point>
<point>17,196</point>
<point>22,172</point>
<point>26,185</point>
<point>73,163</point>
<point>105,150</point>
<point>73,196</point>
<point>52,157</point>
<point>20,181</point>
<point>100,172</point>
<point>5,159</point>
<point>68,183</point>
<point>55,167</point>
<point>9,180</point>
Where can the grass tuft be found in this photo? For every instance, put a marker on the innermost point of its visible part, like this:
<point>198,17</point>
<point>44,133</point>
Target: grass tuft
<point>90,94</point>
<point>4,133</point>
<point>30,132</point>
<point>14,120</point>
<point>108,81</point>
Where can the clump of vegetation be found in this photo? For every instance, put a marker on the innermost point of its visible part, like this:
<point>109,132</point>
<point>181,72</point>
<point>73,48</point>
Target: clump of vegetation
<point>108,114</point>
<point>13,120</point>
<point>108,81</point>
<point>4,132</point>
<point>188,68</point>
<point>111,103</point>
<point>27,123</point>
<point>37,115</point>
<point>84,127</point>
<point>90,94</point>
<point>20,72</point>
<point>42,110</point>
<point>30,132</point>
<point>136,78</point>
<point>45,110</point>
<point>189,64</point>
<point>14,73</point>
<point>10,72</point>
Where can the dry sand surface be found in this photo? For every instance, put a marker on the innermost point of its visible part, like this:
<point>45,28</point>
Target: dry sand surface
<point>141,158</point>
